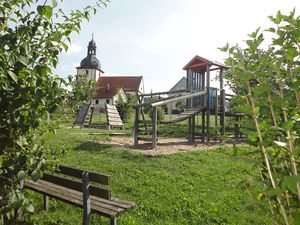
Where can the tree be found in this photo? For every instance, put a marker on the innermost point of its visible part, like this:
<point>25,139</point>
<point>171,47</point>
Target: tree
<point>82,91</point>
<point>32,34</point>
<point>125,108</point>
<point>180,105</point>
<point>267,84</point>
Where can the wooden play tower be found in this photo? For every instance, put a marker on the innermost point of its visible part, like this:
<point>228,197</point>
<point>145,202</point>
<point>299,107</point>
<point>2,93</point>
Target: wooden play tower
<point>200,98</point>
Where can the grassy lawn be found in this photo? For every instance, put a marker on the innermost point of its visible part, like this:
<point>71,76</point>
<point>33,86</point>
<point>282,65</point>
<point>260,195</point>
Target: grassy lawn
<point>199,187</point>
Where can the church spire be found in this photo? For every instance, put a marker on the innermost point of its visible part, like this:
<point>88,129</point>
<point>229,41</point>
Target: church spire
<point>92,47</point>
<point>91,61</point>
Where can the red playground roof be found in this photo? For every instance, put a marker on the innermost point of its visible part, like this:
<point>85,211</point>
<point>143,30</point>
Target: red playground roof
<point>198,64</point>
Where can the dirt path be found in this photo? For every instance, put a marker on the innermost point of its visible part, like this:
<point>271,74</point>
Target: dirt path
<point>164,145</point>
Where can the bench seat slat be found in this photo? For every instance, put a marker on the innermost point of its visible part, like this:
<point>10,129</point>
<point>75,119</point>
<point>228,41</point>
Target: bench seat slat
<point>116,202</point>
<point>107,208</point>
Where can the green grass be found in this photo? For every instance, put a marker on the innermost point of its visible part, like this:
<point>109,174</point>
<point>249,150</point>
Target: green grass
<point>199,187</point>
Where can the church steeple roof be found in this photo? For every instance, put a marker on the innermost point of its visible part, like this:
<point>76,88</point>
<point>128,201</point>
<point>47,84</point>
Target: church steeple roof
<point>91,61</point>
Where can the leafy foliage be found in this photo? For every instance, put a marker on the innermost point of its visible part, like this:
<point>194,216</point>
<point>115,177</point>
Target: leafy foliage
<point>180,105</point>
<point>125,107</point>
<point>32,34</point>
<point>82,91</point>
<point>160,109</point>
<point>267,84</point>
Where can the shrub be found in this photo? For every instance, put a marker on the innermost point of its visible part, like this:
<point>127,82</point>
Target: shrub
<point>32,34</point>
<point>125,108</point>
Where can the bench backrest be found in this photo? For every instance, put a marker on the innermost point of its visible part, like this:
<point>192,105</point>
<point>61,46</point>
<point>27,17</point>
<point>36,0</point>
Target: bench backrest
<point>103,180</point>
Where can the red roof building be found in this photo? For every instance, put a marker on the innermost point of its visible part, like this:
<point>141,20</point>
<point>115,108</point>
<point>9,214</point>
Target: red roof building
<point>109,88</point>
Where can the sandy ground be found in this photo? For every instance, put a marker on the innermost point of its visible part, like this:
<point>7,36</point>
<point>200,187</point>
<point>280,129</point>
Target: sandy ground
<point>164,145</point>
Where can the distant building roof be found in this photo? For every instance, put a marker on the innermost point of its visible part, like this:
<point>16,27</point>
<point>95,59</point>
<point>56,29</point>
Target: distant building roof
<point>108,86</point>
<point>90,62</point>
<point>199,63</point>
<point>180,85</point>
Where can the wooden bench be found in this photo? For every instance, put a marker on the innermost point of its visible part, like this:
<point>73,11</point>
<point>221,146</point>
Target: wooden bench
<point>92,198</point>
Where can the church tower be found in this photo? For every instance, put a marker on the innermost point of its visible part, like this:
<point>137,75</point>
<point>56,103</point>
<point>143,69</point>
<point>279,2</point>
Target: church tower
<point>90,65</point>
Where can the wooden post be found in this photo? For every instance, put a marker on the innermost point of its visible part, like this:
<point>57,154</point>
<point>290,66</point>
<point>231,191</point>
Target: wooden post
<point>21,184</point>
<point>216,108</point>
<point>86,198</point>
<point>190,130</point>
<point>203,103</point>
<point>193,128</point>
<point>46,202</point>
<point>203,126</point>
<point>136,126</point>
<point>236,128</point>
<point>222,114</point>
<point>216,112</point>
<point>113,221</point>
<point>222,103</point>
<point>154,126</point>
<point>208,105</point>
<point>240,120</point>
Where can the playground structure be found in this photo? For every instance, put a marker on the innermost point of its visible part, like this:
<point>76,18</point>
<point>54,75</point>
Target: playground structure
<point>85,115</point>
<point>200,98</point>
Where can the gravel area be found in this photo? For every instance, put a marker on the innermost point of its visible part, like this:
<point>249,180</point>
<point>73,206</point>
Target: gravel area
<point>164,145</point>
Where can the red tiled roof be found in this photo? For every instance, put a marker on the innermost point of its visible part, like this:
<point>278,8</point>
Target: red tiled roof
<point>199,63</point>
<point>128,83</point>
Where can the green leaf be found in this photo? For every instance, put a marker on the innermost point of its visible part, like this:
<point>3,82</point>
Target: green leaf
<point>13,76</point>
<point>35,175</point>
<point>296,217</point>
<point>45,10</point>
<point>288,125</point>
<point>275,192</point>
<point>21,175</point>
<point>278,18</point>
<point>291,53</point>
<point>289,182</point>
<point>30,208</point>
<point>65,46</point>
<point>271,29</point>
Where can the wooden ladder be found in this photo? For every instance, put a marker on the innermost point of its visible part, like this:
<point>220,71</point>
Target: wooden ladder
<point>144,130</point>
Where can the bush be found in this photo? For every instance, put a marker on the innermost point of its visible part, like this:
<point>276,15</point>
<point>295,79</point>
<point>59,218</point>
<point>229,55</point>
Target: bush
<point>160,113</point>
<point>32,35</point>
<point>125,108</point>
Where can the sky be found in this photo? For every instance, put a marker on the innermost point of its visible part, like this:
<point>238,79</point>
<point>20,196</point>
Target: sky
<point>156,39</point>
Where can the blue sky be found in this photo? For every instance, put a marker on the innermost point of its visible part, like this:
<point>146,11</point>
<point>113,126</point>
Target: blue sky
<point>157,38</point>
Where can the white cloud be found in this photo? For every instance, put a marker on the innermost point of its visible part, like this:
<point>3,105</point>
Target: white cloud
<point>74,48</point>
<point>74,65</point>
